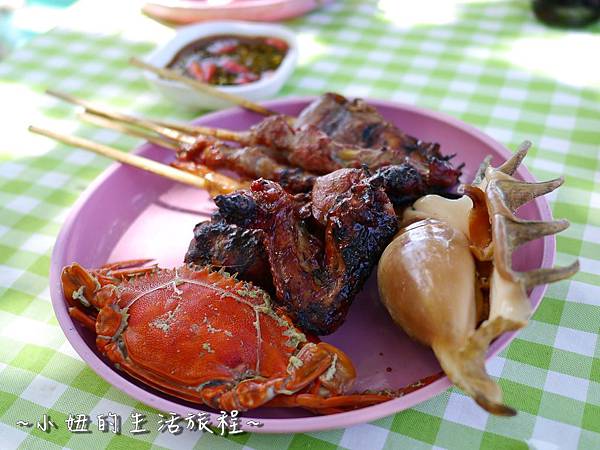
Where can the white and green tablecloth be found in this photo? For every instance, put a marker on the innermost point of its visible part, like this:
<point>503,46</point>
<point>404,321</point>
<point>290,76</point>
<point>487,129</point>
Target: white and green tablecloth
<point>490,64</point>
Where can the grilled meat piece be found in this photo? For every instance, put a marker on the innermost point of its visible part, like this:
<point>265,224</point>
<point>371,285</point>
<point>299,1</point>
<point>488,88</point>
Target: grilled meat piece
<point>402,183</point>
<point>310,148</point>
<point>331,188</point>
<point>226,246</point>
<point>240,250</point>
<point>356,123</point>
<point>317,274</point>
<point>353,122</point>
<point>238,208</point>
<point>332,133</point>
<point>252,162</point>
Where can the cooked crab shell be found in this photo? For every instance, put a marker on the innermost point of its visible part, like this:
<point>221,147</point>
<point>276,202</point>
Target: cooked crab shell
<point>450,268</point>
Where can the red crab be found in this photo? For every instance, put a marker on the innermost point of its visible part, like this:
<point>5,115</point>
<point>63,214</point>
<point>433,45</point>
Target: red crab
<point>206,337</point>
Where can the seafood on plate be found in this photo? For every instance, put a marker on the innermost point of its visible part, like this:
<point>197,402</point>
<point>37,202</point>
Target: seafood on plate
<point>311,229</point>
<point>209,338</point>
<point>332,245</point>
<point>447,277</point>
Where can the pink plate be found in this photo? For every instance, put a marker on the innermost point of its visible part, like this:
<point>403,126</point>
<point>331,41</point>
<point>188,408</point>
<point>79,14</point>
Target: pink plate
<point>190,11</point>
<point>127,213</point>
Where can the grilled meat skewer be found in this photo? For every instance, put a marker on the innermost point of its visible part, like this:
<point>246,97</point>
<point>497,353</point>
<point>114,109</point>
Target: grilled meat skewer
<point>311,149</point>
<point>352,122</point>
<point>249,162</point>
<point>307,146</point>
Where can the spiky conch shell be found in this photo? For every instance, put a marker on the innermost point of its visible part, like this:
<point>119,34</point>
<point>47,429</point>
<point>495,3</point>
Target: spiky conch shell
<point>509,305</point>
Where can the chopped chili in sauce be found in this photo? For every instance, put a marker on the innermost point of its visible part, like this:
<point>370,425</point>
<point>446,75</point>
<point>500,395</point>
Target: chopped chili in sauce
<point>230,60</point>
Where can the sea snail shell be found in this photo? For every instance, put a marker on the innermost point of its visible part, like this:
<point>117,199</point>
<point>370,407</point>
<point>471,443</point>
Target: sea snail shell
<point>456,255</point>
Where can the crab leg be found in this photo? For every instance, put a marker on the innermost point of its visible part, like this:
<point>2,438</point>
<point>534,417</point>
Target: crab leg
<point>126,269</point>
<point>86,320</point>
<point>127,264</point>
<point>331,405</point>
<point>249,394</point>
<point>342,403</point>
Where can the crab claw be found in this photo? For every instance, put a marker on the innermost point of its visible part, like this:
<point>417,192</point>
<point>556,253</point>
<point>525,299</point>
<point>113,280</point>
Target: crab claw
<point>328,395</point>
<point>78,285</point>
<point>340,375</point>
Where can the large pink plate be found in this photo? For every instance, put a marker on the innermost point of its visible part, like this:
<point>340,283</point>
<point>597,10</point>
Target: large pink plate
<point>127,213</point>
<point>191,11</point>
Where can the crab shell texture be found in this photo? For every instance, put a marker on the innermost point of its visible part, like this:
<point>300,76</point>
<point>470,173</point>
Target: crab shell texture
<point>206,337</point>
<point>447,277</point>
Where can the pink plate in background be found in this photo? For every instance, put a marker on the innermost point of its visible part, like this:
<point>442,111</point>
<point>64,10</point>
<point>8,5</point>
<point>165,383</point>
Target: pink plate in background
<point>190,11</point>
<point>127,213</point>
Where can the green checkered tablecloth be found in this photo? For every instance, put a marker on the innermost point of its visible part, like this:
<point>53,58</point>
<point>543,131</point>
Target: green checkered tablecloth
<point>488,63</point>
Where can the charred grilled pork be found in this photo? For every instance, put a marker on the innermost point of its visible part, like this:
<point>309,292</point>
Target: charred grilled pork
<point>331,133</point>
<point>237,250</point>
<point>240,250</point>
<point>311,148</point>
<point>320,253</point>
<point>354,122</point>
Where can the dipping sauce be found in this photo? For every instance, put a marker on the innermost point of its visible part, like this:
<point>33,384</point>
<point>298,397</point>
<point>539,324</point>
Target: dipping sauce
<point>229,59</point>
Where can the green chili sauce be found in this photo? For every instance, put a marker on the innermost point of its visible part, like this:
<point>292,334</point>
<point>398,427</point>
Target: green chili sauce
<point>229,59</point>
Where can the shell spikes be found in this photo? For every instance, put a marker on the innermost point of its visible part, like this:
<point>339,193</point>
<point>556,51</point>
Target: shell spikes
<point>476,236</point>
<point>505,195</point>
<point>510,307</point>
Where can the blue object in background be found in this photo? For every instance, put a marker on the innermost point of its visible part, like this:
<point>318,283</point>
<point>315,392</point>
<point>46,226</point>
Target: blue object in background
<point>14,27</point>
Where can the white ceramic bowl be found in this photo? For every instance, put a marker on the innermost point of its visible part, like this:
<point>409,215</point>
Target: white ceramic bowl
<point>257,90</point>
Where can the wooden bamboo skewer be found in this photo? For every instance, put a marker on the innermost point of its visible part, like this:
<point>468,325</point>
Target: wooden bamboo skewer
<point>178,132</point>
<point>346,154</point>
<point>173,130</point>
<point>102,121</point>
<point>170,135</point>
<point>169,132</point>
<point>213,182</point>
<point>195,130</point>
<point>203,87</point>
<point>194,169</point>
